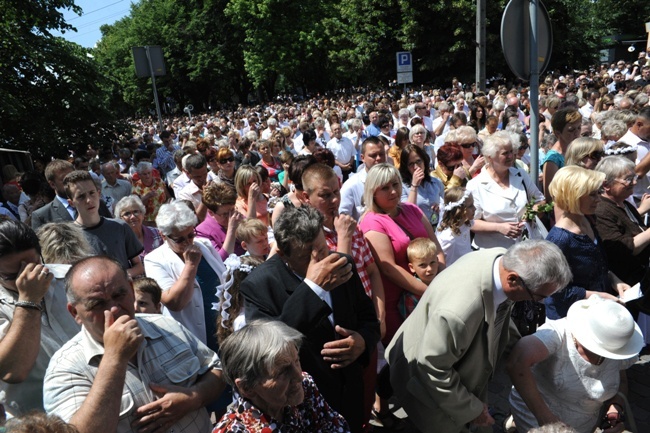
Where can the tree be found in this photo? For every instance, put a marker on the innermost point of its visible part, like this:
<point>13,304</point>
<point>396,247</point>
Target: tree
<point>50,100</point>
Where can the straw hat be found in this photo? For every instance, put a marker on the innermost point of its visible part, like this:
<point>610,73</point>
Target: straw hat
<point>605,328</point>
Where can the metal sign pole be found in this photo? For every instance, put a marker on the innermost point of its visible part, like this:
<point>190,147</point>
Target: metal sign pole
<point>534,94</point>
<point>155,92</point>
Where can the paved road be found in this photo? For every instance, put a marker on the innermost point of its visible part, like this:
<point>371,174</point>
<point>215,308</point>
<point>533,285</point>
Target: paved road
<point>639,397</point>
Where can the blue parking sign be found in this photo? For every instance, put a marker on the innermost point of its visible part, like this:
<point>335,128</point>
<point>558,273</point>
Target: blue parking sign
<point>404,61</point>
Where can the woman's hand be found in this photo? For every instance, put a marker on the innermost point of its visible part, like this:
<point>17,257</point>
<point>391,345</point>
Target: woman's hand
<point>148,196</point>
<point>418,177</point>
<point>644,205</point>
<point>460,172</point>
<point>192,255</point>
<point>234,219</point>
<point>253,192</point>
<point>477,165</point>
<point>511,230</point>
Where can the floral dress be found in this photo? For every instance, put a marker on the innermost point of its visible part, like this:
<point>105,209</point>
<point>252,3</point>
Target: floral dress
<point>156,201</point>
<point>312,415</point>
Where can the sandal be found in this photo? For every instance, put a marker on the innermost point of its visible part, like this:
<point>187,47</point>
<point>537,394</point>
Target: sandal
<point>387,420</point>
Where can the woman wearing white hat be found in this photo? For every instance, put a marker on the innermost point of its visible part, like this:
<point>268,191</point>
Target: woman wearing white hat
<point>571,368</point>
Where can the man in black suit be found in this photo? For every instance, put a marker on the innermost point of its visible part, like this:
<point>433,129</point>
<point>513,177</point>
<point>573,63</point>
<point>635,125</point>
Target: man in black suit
<point>320,294</point>
<point>59,209</point>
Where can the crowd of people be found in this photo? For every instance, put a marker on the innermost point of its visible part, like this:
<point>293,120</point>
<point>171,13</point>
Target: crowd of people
<point>292,266</point>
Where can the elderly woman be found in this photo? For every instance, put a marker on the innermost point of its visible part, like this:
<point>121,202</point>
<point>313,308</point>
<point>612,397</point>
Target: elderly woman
<point>418,187</point>
<point>575,192</point>
<point>501,193</point>
<point>226,164</point>
<point>250,201</point>
<point>132,211</point>
<point>566,124</point>
<point>261,362</point>
<point>151,190</point>
<point>585,152</point>
<point>571,368</point>
<point>187,270</point>
<point>626,239</point>
<point>389,226</point>
<point>467,139</point>
<point>450,168</point>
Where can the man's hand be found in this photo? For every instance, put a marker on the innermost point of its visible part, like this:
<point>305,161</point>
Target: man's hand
<point>174,403</point>
<point>122,336</point>
<point>33,282</point>
<point>330,272</point>
<point>345,225</point>
<point>192,255</point>
<point>484,419</point>
<point>342,353</point>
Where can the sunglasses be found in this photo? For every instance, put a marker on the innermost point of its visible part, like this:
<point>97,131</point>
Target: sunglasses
<point>452,167</point>
<point>596,155</point>
<point>182,239</point>
<point>226,160</point>
<point>467,145</point>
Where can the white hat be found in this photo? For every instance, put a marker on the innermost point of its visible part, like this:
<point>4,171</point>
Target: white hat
<point>605,328</point>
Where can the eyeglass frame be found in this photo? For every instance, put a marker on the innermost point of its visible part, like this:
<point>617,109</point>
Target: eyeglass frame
<point>628,180</point>
<point>532,294</point>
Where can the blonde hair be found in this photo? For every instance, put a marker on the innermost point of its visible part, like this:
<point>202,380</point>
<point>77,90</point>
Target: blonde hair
<point>249,228</point>
<point>581,147</point>
<point>244,174</point>
<point>378,176</point>
<point>454,218</point>
<point>571,183</point>
<point>420,248</point>
<point>63,243</point>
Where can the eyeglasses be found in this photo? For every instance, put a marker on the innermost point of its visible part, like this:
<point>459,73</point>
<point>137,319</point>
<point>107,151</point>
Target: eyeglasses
<point>226,160</point>
<point>467,145</point>
<point>190,236</point>
<point>534,296</point>
<point>596,155</point>
<point>131,213</point>
<point>418,133</point>
<point>628,180</point>
<point>414,163</point>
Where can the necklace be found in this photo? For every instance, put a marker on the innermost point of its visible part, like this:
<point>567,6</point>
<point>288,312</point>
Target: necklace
<point>601,359</point>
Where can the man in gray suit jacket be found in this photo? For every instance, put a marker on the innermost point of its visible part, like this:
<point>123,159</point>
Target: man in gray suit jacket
<point>444,354</point>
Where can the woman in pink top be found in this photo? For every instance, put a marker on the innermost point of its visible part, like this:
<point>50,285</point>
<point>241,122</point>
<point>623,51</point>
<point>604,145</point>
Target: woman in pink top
<point>389,226</point>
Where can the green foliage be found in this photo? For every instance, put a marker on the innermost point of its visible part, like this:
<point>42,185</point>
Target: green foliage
<point>50,99</point>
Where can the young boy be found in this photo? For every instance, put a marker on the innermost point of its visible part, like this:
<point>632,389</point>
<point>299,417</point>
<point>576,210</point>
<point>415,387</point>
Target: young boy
<point>421,254</point>
<point>147,296</point>
<point>112,237</point>
<point>253,235</point>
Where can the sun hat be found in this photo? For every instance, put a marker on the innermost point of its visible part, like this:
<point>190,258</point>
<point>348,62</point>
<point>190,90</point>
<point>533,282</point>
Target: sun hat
<point>605,328</point>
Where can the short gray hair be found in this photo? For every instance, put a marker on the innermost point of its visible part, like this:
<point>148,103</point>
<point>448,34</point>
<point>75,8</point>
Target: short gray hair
<point>194,161</point>
<point>613,128</point>
<point>296,227</point>
<point>550,265</point>
<point>142,166</point>
<point>494,143</point>
<point>251,353</point>
<point>175,215</point>
<point>614,167</point>
<point>128,202</point>
<point>415,129</point>
<point>354,124</point>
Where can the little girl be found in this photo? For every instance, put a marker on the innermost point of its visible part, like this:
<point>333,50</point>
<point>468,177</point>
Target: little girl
<point>230,307</point>
<point>458,216</point>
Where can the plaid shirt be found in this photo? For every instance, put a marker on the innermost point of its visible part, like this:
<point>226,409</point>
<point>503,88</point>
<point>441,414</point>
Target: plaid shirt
<point>170,355</point>
<point>360,253</point>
